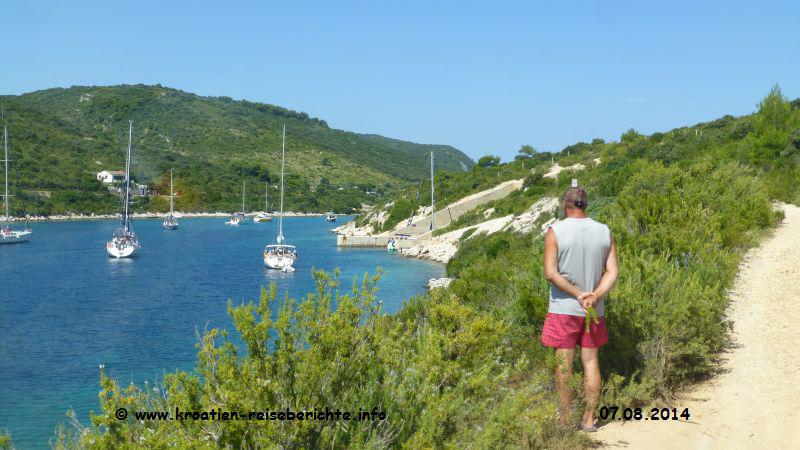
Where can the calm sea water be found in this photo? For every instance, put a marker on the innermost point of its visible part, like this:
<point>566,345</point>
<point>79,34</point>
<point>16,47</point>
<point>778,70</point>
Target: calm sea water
<point>65,307</point>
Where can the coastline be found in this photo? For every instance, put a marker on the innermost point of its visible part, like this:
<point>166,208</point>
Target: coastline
<point>150,215</point>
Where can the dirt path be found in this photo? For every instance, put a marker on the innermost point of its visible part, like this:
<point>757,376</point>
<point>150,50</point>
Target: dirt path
<point>754,403</point>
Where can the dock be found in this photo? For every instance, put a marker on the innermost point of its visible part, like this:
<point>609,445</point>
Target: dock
<point>375,241</point>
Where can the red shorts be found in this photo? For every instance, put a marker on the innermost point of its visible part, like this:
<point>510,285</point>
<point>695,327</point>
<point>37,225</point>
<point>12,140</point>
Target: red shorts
<point>565,331</point>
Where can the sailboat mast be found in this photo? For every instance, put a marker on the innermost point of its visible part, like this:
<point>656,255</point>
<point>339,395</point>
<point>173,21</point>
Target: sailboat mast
<point>5,197</point>
<point>433,203</point>
<point>128,175</point>
<point>243,190</point>
<point>283,161</point>
<point>171,195</point>
<point>266,197</point>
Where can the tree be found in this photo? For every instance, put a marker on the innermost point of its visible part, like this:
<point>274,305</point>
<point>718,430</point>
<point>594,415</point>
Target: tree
<point>489,161</point>
<point>774,110</point>
<point>526,151</point>
<point>630,135</point>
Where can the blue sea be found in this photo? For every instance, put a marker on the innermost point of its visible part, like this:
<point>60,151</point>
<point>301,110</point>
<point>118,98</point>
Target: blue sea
<point>65,307</point>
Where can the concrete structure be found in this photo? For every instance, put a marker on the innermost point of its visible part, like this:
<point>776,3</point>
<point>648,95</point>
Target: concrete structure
<point>460,207</point>
<point>374,241</point>
<point>407,236</point>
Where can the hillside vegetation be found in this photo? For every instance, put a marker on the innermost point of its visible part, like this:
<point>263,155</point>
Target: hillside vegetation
<point>462,366</point>
<point>62,137</point>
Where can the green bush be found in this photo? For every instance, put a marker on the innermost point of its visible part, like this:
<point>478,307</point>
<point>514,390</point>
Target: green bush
<point>442,369</point>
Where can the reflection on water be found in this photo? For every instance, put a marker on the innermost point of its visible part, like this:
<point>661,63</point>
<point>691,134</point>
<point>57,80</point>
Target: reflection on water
<point>120,266</point>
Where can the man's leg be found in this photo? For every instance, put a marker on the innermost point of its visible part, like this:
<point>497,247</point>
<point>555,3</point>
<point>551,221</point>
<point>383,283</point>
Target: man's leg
<point>591,382</point>
<point>564,358</point>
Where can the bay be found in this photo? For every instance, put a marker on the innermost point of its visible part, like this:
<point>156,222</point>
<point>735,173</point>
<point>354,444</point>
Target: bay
<point>65,307</point>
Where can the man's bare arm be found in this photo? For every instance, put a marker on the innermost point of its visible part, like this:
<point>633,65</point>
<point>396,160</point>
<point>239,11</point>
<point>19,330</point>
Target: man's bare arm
<point>551,266</point>
<point>610,276</point>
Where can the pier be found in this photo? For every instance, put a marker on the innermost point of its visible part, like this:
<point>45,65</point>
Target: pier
<point>400,242</point>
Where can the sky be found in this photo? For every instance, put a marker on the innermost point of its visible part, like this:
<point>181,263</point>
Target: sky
<point>485,77</point>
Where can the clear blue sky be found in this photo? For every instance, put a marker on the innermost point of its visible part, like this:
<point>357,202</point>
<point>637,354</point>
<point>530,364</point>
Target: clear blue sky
<point>485,77</point>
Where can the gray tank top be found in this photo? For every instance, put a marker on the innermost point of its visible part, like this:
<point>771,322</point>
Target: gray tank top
<point>583,246</point>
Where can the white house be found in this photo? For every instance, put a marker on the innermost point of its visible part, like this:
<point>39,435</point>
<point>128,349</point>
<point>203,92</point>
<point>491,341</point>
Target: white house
<point>110,176</point>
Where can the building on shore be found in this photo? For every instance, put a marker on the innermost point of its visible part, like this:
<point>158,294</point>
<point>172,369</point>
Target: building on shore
<point>110,176</point>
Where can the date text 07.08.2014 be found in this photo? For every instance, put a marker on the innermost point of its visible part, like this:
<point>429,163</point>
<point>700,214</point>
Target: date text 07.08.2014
<point>617,413</point>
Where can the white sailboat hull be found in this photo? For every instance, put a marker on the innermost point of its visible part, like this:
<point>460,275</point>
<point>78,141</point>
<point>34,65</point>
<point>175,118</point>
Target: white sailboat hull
<point>124,250</point>
<point>278,262</point>
<point>170,223</point>
<point>13,237</point>
<point>280,256</point>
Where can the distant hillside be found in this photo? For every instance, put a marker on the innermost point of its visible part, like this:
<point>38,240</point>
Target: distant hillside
<point>62,137</point>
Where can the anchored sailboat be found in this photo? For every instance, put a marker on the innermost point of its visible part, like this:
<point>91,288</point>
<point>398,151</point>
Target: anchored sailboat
<point>8,235</point>
<point>238,217</point>
<point>279,255</point>
<point>124,242</point>
<point>171,223</point>
<point>264,217</point>
<point>392,244</point>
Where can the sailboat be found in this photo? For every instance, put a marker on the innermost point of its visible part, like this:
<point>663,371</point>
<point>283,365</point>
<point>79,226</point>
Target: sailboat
<point>8,235</point>
<point>238,217</point>
<point>171,223</point>
<point>280,255</point>
<point>124,242</point>
<point>264,217</point>
<point>392,244</point>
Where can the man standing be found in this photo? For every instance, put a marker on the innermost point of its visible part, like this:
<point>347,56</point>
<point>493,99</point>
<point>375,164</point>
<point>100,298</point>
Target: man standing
<point>580,262</point>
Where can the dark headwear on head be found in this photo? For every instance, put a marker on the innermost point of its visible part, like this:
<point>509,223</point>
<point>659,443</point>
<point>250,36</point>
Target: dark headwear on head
<point>577,197</point>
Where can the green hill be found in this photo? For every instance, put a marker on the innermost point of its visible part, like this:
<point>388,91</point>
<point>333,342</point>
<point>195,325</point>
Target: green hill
<point>62,137</point>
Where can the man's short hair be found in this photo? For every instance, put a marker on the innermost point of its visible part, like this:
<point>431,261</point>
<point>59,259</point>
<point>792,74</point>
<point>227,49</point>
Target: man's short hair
<point>576,197</point>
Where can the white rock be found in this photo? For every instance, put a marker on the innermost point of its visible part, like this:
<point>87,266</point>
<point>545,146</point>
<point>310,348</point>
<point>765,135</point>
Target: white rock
<point>556,169</point>
<point>434,283</point>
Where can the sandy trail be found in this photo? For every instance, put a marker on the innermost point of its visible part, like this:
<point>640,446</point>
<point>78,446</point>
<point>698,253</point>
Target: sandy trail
<point>754,403</point>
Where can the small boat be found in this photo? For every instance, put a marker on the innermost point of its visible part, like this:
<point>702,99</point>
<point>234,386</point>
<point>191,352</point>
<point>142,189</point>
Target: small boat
<point>235,219</point>
<point>124,242</point>
<point>279,255</point>
<point>264,217</point>
<point>171,223</point>
<point>239,217</point>
<point>330,217</point>
<point>7,234</point>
